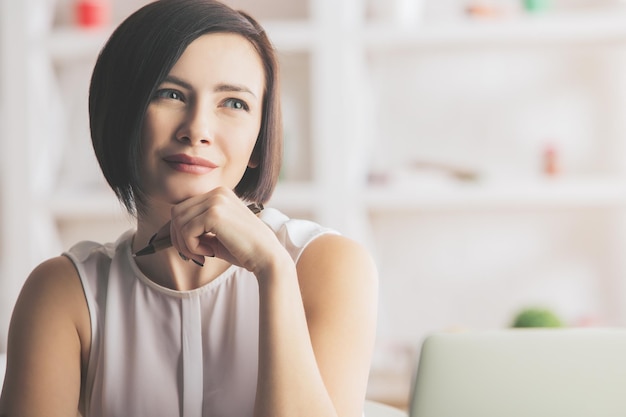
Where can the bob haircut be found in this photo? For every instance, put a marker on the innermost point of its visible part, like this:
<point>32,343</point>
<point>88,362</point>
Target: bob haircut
<point>135,60</point>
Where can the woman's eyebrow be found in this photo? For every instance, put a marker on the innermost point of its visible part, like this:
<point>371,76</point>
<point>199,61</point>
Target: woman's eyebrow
<point>234,88</point>
<point>220,88</point>
<point>175,80</point>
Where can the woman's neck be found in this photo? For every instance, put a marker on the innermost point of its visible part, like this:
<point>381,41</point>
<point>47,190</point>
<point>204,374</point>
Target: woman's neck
<point>167,269</point>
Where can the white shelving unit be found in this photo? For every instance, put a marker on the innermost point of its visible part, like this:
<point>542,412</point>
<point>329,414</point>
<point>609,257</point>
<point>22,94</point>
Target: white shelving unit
<point>368,95</point>
<point>568,28</point>
<point>590,193</point>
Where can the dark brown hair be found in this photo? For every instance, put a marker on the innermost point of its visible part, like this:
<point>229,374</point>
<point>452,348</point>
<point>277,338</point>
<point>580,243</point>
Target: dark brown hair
<point>135,60</point>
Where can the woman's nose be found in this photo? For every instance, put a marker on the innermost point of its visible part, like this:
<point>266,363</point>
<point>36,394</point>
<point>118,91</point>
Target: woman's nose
<point>197,127</point>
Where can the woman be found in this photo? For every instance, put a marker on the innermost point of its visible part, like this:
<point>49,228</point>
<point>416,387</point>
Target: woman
<point>245,314</point>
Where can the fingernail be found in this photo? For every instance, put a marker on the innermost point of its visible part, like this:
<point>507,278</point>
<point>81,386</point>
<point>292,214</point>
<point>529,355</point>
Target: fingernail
<point>183,257</point>
<point>200,264</point>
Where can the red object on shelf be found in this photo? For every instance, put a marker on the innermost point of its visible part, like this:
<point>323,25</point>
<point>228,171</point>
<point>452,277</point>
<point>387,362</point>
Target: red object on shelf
<point>551,160</point>
<point>93,13</point>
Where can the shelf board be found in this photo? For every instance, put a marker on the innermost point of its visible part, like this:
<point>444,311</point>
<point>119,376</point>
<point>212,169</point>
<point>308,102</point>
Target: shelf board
<point>539,194</point>
<point>70,43</point>
<point>536,30</point>
<point>101,202</point>
<point>303,197</point>
<point>66,43</point>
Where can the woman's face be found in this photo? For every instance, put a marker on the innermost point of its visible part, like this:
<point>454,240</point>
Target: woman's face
<point>202,124</point>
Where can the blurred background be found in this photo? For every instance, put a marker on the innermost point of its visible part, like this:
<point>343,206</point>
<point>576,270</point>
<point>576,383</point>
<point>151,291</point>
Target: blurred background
<point>477,147</point>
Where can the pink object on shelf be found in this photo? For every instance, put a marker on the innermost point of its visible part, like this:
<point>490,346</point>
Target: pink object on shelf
<point>92,13</point>
<point>551,160</point>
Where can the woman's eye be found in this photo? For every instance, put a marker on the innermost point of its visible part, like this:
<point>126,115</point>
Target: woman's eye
<point>169,94</point>
<point>236,104</point>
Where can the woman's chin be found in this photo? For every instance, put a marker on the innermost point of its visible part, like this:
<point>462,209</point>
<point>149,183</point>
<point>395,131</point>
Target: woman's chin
<point>172,194</point>
<point>181,195</point>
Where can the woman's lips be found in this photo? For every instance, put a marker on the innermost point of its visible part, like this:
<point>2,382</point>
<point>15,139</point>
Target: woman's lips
<point>190,164</point>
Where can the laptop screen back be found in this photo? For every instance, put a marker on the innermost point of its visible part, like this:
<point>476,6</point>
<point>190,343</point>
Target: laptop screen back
<point>522,373</point>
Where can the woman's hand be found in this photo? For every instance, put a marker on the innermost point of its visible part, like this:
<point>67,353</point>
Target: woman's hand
<point>218,224</point>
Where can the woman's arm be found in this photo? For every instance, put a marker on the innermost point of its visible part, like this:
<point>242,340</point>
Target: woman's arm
<point>317,332</point>
<point>46,343</point>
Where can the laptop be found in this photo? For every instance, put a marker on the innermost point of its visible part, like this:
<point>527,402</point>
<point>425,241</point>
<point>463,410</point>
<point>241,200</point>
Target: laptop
<point>522,373</point>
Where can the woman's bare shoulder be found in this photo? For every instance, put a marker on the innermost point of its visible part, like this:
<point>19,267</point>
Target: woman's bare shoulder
<point>53,289</point>
<point>335,264</point>
<point>59,267</point>
<point>55,279</point>
<point>49,338</point>
<point>337,255</point>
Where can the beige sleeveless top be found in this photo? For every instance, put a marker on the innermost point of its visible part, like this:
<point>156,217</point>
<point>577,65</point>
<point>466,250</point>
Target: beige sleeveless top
<point>159,352</point>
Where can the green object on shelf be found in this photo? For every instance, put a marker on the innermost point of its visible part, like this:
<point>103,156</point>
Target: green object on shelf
<point>536,317</point>
<point>536,5</point>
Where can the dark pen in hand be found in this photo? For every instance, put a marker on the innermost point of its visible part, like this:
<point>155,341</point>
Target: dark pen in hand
<point>155,245</point>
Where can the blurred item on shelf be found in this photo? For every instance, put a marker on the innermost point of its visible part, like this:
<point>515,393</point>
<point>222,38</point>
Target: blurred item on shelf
<point>551,160</point>
<point>424,172</point>
<point>92,13</point>
<point>536,317</point>
<point>488,10</point>
<point>457,172</point>
<point>536,6</point>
